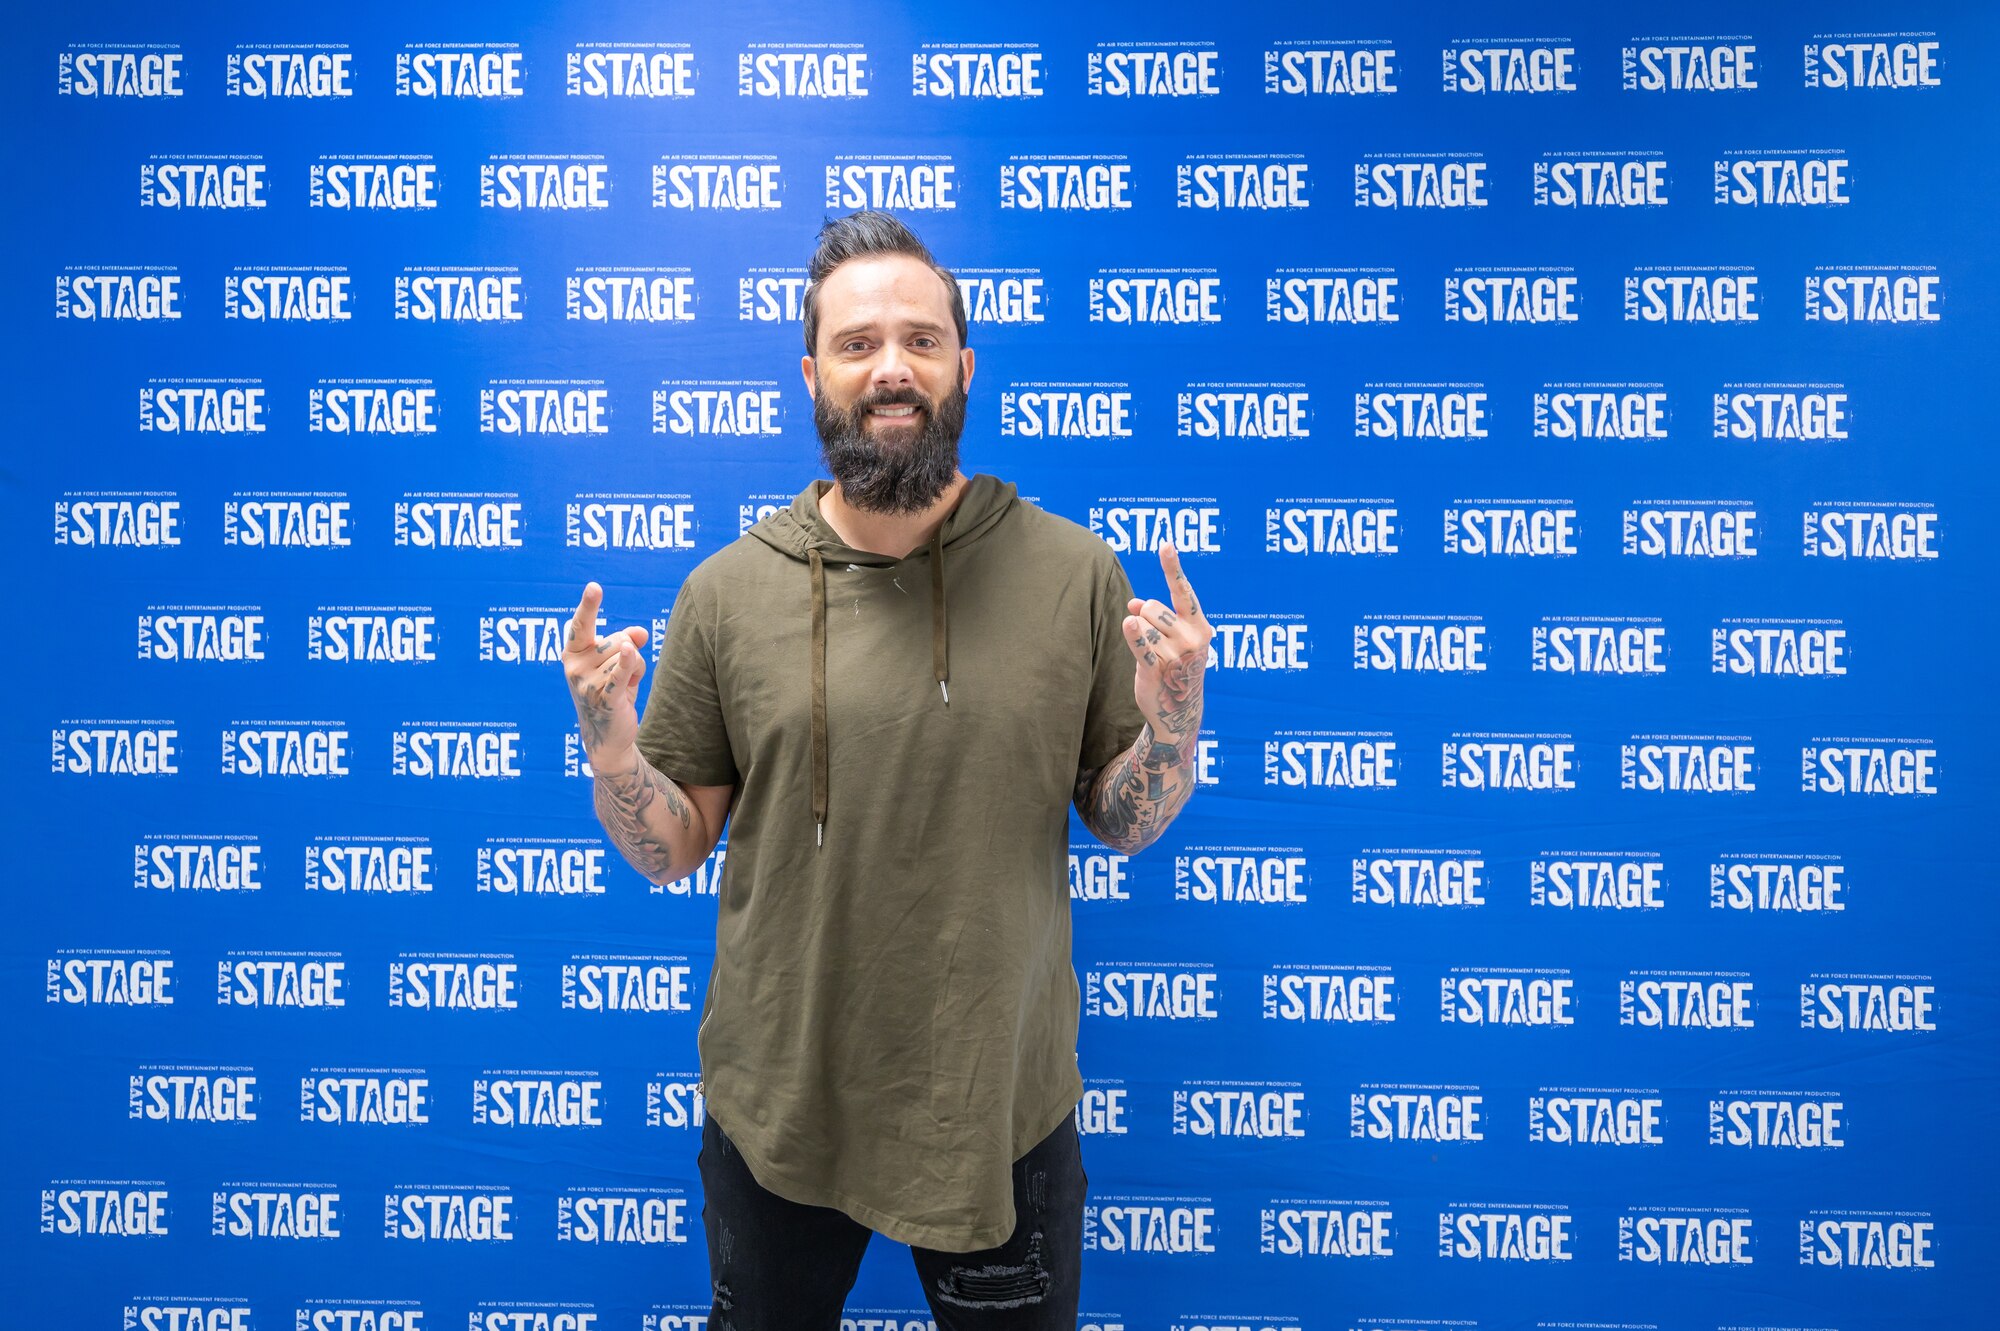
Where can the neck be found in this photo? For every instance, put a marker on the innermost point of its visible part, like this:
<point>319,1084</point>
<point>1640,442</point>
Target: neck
<point>892,534</point>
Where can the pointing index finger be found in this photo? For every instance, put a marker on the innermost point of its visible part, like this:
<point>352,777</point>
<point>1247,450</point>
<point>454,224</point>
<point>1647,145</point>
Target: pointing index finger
<point>583,624</point>
<point>1177,582</point>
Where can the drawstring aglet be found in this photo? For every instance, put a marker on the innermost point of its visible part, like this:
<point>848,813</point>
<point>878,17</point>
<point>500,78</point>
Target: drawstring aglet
<point>946,692</point>
<point>819,835</point>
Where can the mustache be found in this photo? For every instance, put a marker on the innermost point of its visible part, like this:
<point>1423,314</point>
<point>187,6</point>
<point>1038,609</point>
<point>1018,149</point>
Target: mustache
<point>889,397</point>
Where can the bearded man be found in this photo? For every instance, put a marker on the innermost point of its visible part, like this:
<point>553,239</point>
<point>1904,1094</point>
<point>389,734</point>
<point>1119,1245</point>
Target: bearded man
<point>893,691</point>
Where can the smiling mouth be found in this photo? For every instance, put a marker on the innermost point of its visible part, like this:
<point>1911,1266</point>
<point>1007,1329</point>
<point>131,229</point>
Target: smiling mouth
<point>902,412</point>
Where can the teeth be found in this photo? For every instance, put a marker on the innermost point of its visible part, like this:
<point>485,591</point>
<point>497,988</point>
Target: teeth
<point>895,411</point>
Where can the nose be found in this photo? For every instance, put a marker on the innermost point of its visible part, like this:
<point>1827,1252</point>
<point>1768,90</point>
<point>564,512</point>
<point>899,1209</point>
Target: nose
<point>891,369</point>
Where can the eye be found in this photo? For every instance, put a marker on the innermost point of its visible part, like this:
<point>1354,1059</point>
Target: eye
<point>856,344</point>
<point>927,340</point>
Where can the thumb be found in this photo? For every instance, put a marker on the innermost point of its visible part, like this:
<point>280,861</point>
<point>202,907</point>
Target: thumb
<point>1135,638</point>
<point>639,635</point>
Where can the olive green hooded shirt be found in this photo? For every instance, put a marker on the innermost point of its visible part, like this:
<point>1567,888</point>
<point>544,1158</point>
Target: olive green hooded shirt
<point>891,1018</point>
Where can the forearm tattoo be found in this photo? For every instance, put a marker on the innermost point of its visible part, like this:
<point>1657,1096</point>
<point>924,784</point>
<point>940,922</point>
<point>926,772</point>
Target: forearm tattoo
<point>1129,803</point>
<point>629,805</point>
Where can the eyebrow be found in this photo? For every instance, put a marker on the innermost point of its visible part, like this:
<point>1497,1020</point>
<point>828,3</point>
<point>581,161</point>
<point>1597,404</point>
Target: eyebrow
<point>919,326</point>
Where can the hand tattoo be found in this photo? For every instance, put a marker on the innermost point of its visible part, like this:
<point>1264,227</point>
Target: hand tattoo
<point>594,714</point>
<point>1180,693</point>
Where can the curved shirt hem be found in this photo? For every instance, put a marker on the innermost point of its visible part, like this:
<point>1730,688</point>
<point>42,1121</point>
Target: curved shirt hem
<point>935,1237</point>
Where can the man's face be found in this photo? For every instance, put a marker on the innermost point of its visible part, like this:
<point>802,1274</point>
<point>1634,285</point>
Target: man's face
<point>888,383</point>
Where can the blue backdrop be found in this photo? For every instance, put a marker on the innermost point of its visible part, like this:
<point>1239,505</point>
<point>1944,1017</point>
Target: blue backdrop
<point>1574,423</point>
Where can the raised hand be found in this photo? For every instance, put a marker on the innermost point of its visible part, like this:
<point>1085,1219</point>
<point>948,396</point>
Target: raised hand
<point>1127,804</point>
<point>1171,648</point>
<point>603,673</point>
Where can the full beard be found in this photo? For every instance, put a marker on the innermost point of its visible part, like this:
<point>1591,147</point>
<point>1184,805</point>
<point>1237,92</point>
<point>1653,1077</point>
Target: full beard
<point>907,472</point>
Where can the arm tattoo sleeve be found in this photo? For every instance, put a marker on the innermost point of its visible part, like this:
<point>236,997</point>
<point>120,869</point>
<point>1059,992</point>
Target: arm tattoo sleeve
<point>639,809</point>
<point>1128,803</point>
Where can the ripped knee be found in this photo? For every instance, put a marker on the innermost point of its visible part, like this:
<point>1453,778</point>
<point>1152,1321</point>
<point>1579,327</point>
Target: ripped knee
<point>998,1284</point>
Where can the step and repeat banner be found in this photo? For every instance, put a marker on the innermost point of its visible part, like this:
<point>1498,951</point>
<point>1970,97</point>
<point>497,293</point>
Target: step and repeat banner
<point>1573,421</point>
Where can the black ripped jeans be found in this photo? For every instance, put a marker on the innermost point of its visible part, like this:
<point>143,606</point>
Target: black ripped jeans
<point>776,1265</point>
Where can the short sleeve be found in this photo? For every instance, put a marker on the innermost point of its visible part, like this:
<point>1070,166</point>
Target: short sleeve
<point>1113,719</point>
<point>682,733</point>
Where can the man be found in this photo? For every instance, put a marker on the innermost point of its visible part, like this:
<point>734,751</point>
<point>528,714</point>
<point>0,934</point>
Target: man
<point>893,690</point>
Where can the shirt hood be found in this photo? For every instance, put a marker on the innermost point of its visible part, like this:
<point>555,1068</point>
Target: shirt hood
<point>799,528</point>
<point>799,532</point>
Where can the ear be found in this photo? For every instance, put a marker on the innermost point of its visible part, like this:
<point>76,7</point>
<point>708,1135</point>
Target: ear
<point>807,369</point>
<point>965,366</point>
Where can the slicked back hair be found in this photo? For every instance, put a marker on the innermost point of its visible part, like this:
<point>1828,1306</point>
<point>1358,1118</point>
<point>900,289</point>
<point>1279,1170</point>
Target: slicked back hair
<point>859,236</point>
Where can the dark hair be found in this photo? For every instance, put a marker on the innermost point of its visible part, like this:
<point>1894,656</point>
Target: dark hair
<point>856,236</point>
